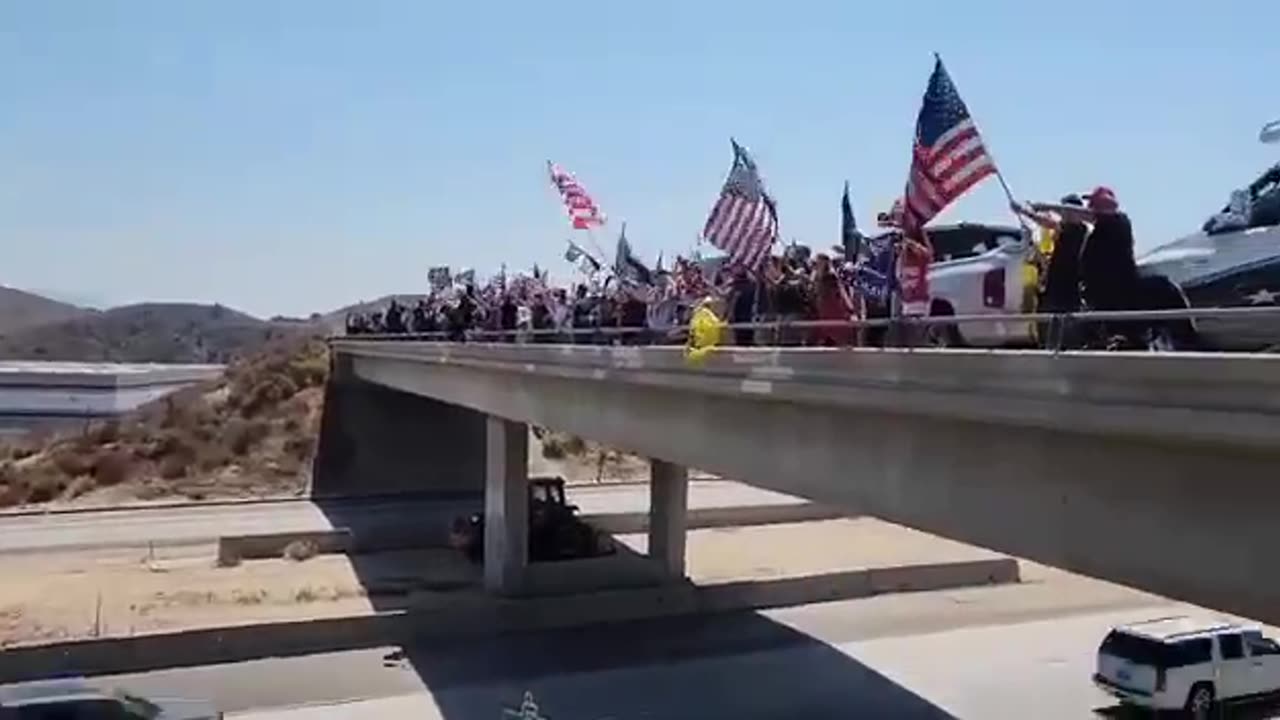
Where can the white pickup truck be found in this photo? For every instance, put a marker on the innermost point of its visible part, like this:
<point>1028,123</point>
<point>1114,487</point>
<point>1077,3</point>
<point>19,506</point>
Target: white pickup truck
<point>981,270</point>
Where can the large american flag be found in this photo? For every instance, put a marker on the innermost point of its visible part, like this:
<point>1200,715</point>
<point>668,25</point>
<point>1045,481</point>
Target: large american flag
<point>948,157</point>
<point>583,211</point>
<point>744,221</point>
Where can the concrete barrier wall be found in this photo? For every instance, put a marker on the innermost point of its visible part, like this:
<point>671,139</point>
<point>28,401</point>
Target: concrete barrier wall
<point>431,530</point>
<point>1156,472</point>
<point>467,614</point>
<point>234,548</point>
<point>716,517</point>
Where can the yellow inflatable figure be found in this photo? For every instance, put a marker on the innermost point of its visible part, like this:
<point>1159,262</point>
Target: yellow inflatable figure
<point>706,331</point>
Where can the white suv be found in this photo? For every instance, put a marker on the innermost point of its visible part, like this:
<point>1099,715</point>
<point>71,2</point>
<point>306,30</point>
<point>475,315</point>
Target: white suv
<point>1186,663</point>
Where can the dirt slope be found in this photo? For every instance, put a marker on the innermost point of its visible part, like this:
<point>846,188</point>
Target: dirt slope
<point>250,433</point>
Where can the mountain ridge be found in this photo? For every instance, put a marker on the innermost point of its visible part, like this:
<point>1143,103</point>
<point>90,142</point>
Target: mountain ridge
<point>20,309</point>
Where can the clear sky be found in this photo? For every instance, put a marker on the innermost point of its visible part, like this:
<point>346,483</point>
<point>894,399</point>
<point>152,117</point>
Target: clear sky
<point>294,156</point>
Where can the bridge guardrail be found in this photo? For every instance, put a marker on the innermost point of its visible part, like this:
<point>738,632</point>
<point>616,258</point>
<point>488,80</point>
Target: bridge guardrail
<point>902,332</point>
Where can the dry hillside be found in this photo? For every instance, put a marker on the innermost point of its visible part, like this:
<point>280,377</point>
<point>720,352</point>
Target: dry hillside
<point>153,332</point>
<point>252,432</point>
<point>20,309</point>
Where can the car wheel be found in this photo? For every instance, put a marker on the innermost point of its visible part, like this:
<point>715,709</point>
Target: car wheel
<point>1161,340</point>
<point>941,335</point>
<point>1200,701</point>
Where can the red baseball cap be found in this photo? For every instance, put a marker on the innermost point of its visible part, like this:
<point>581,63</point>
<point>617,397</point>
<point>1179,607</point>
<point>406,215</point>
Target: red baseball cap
<point>1102,196</point>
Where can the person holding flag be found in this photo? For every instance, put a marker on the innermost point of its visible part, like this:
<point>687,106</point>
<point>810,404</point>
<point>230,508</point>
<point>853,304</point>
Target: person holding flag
<point>948,157</point>
<point>1063,233</point>
<point>851,241</point>
<point>744,221</point>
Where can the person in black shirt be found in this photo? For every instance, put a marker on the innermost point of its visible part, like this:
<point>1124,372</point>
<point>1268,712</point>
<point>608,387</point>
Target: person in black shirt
<point>463,315</point>
<point>419,318</point>
<point>1108,269</point>
<point>393,320</point>
<point>540,319</point>
<point>792,303</point>
<point>580,316</point>
<point>632,315</point>
<point>743,305</point>
<point>1061,289</point>
<point>508,313</point>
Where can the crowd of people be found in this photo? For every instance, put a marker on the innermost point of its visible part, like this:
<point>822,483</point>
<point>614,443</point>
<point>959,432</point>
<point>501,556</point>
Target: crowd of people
<point>1087,263</point>
<point>798,285</point>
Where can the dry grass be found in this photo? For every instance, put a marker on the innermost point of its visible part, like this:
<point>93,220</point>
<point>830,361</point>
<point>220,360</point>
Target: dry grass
<point>251,432</point>
<point>560,446</point>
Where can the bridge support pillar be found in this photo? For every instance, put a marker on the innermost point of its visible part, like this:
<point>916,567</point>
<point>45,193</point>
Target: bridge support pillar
<point>506,506</point>
<point>668,510</point>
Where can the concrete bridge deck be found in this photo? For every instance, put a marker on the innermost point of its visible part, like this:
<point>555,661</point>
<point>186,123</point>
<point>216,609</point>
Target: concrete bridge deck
<point>1157,471</point>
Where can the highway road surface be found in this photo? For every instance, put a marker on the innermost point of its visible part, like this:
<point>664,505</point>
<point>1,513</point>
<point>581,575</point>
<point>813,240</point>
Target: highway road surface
<point>200,524</point>
<point>998,652</point>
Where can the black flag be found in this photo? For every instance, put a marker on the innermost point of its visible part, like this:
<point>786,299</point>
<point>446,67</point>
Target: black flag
<point>627,266</point>
<point>850,238</point>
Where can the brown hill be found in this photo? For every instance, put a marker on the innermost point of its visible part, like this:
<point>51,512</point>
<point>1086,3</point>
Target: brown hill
<point>151,332</point>
<point>20,309</point>
<point>251,432</point>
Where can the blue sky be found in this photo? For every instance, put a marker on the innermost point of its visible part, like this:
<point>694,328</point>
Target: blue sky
<point>293,156</point>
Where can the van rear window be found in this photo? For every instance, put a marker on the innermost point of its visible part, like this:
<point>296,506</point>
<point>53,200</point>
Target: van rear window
<point>1144,651</point>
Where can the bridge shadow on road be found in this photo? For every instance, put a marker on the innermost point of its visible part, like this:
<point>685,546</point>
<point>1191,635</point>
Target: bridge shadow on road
<point>733,665</point>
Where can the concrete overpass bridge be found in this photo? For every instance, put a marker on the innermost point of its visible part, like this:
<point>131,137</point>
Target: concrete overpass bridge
<point>1159,471</point>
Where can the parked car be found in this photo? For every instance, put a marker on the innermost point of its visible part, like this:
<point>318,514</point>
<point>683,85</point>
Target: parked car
<point>1233,266</point>
<point>77,700</point>
<point>1187,663</point>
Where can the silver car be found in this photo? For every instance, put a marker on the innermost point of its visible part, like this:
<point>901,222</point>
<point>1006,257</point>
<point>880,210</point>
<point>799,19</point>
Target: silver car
<point>77,700</point>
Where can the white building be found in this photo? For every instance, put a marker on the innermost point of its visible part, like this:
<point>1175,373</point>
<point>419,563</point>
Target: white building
<point>42,393</point>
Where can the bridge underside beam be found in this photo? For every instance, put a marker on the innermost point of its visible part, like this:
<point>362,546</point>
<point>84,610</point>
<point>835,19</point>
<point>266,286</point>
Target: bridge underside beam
<point>1189,521</point>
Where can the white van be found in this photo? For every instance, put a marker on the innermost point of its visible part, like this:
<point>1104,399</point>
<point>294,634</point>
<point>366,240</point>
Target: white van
<point>1187,663</point>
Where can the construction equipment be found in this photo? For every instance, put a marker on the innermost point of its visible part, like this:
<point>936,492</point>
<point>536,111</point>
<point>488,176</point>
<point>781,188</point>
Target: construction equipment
<point>555,530</point>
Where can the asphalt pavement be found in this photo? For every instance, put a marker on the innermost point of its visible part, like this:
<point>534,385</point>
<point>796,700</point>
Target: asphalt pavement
<point>993,652</point>
<point>1037,669</point>
<point>198,524</point>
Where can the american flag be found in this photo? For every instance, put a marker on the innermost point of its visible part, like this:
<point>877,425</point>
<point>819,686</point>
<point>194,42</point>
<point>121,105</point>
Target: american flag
<point>583,211</point>
<point>744,221</point>
<point>948,157</point>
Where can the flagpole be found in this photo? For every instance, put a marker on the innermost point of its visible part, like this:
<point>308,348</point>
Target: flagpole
<point>591,238</point>
<point>1004,184</point>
